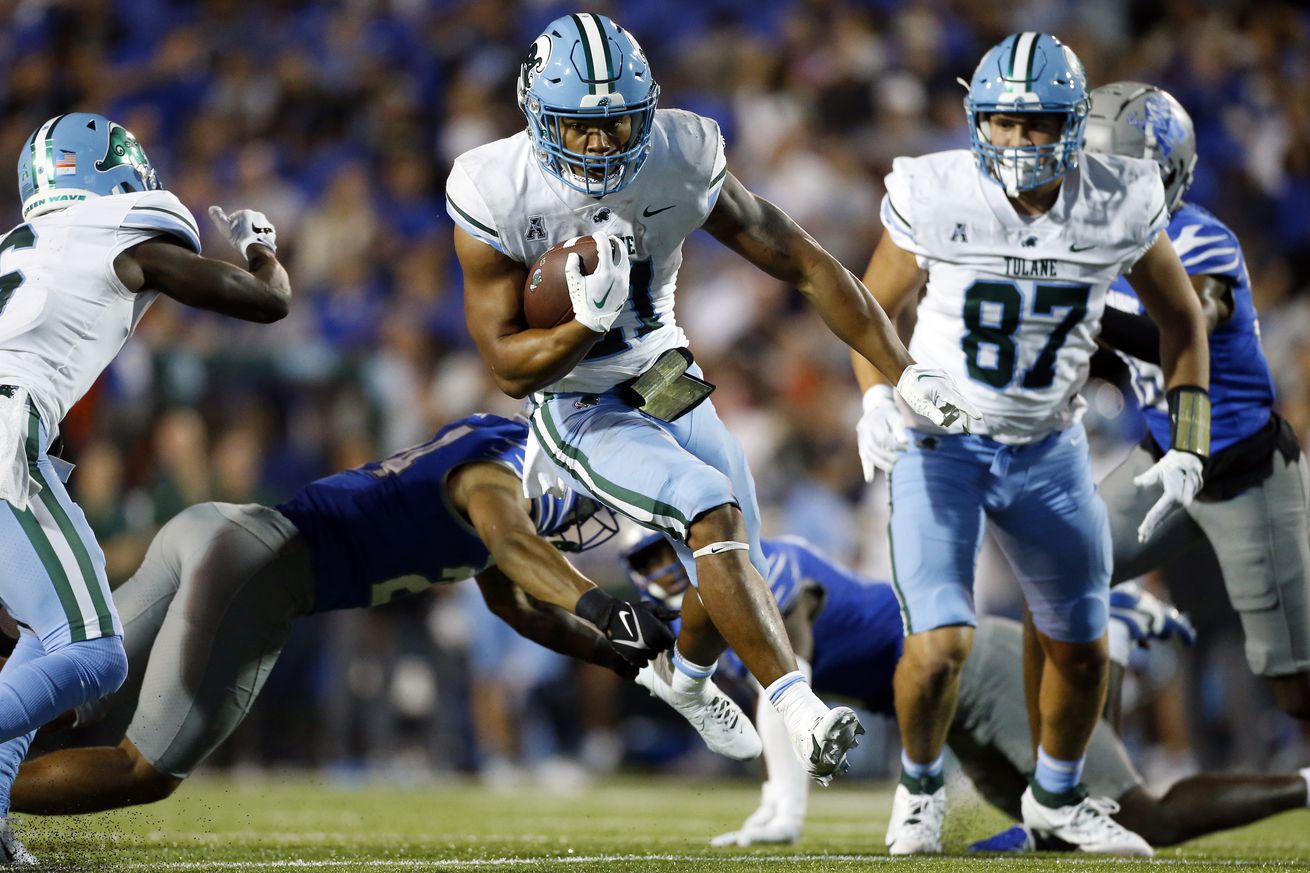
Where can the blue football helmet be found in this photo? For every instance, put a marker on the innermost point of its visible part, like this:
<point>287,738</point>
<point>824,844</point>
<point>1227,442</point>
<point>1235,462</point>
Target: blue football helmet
<point>1143,121</point>
<point>586,66</point>
<point>1027,72</point>
<point>665,582</point>
<point>79,155</point>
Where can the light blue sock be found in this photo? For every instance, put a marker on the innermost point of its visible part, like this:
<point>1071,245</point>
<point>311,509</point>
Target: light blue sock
<point>915,770</point>
<point>14,750</point>
<point>1056,776</point>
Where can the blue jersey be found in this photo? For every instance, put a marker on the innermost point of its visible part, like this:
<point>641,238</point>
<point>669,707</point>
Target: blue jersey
<point>1241,388</point>
<point>858,635</point>
<point>387,529</point>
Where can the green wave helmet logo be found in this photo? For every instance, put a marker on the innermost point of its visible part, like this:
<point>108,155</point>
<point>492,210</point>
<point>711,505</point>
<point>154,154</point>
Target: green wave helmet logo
<point>536,279</point>
<point>124,150</point>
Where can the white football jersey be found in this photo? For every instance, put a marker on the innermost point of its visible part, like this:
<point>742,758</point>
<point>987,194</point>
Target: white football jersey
<point>1013,303</point>
<point>64,314</point>
<point>500,194</point>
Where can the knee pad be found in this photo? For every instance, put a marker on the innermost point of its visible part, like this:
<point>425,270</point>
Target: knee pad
<point>101,664</point>
<point>1080,619</point>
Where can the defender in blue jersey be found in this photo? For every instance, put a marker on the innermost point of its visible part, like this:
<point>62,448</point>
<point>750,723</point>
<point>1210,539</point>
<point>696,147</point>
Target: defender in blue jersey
<point>207,614</point>
<point>1252,509</point>
<point>846,629</point>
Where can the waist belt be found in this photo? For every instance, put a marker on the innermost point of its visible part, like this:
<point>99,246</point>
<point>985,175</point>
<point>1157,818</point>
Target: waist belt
<point>666,391</point>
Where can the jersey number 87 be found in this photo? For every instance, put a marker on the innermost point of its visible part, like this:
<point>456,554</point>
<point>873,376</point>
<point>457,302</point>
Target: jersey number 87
<point>1006,298</point>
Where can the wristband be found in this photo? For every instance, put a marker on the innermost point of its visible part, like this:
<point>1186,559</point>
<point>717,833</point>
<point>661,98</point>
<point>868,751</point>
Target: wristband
<point>595,606</point>
<point>1189,420</point>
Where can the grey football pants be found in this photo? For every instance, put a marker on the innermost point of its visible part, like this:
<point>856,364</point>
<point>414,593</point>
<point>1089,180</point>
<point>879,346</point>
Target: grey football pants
<point>204,620</point>
<point>1260,538</point>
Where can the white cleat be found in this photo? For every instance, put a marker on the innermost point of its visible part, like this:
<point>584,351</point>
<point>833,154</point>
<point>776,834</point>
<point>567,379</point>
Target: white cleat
<point>1086,826</point>
<point>916,823</point>
<point>719,721</point>
<point>823,750</point>
<point>12,852</point>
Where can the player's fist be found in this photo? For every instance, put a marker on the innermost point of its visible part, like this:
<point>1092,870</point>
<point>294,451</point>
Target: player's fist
<point>245,228</point>
<point>931,393</point>
<point>600,296</point>
<point>1179,474</point>
<point>636,630</point>
<point>880,433</point>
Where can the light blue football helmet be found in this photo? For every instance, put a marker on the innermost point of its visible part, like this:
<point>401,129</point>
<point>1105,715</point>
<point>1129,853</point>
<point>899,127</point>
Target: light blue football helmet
<point>586,66</point>
<point>80,155</point>
<point>1027,72</point>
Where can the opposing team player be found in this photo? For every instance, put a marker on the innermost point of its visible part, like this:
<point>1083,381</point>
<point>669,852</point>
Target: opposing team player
<point>207,614</point>
<point>848,628</point>
<point>1252,509</point>
<point>616,398</point>
<point>1018,240</point>
<point>100,240</point>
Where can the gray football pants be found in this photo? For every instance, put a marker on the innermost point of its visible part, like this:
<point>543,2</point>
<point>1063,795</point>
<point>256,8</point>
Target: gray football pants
<point>1260,538</point>
<point>204,620</point>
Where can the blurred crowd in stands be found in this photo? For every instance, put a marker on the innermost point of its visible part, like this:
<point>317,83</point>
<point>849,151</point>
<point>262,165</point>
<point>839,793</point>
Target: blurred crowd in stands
<point>340,120</point>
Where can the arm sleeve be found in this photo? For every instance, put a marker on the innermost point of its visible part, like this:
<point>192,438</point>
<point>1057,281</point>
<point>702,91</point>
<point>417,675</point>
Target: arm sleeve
<point>1131,334</point>
<point>162,212</point>
<point>468,209</point>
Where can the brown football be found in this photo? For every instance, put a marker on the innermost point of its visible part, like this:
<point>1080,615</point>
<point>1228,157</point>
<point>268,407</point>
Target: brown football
<point>546,300</point>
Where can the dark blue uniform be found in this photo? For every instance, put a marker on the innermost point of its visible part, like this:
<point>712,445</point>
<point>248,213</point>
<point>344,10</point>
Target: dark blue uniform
<point>1241,388</point>
<point>385,529</point>
<point>857,634</point>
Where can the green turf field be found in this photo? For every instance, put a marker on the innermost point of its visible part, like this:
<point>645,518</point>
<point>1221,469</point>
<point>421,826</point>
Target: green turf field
<point>297,823</point>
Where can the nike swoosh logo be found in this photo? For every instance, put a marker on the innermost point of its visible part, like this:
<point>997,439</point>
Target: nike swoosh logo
<point>648,212</point>
<point>626,618</point>
<point>1078,248</point>
<point>718,549</point>
<point>601,302</point>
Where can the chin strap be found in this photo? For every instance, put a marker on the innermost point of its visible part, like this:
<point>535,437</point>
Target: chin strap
<point>724,546</point>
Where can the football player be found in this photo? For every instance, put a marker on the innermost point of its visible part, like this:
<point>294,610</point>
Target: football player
<point>616,398</point>
<point>1018,240</point>
<point>100,240</point>
<point>207,614</point>
<point>846,629</point>
<point>1252,508</point>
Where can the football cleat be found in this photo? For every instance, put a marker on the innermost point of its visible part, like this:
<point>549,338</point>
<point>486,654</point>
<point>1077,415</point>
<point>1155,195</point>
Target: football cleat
<point>1147,617</point>
<point>916,822</point>
<point>1013,839</point>
<point>12,852</point>
<point>715,716</point>
<point>1085,824</point>
<point>823,750</point>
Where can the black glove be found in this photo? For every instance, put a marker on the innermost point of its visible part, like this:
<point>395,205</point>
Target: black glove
<point>633,629</point>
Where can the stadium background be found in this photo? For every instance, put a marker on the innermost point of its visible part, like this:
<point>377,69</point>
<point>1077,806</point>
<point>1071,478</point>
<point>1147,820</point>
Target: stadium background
<point>340,122</point>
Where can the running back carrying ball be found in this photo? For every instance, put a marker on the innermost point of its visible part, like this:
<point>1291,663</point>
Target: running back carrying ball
<point>546,301</point>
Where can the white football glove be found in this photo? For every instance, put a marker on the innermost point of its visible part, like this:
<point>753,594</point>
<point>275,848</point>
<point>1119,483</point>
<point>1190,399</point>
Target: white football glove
<point>771,822</point>
<point>1179,474</point>
<point>244,228</point>
<point>930,392</point>
<point>598,298</point>
<point>880,434</point>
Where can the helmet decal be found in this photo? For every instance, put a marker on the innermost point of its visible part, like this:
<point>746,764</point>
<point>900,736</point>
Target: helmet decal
<point>123,149</point>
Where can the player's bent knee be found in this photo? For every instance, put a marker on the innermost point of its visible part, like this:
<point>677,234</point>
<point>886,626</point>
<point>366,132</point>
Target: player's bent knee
<point>101,665</point>
<point>1081,619</point>
<point>147,783</point>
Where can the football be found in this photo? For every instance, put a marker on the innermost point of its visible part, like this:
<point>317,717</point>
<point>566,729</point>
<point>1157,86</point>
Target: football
<point>546,300</point>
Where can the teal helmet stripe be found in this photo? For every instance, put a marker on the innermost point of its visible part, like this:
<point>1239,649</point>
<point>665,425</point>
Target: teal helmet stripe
<point>1021,59</point>
<point>596,49</point>
<point>43,153</point>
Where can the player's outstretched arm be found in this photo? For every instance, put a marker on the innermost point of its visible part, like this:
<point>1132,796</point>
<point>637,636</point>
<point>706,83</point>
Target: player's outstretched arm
<point>490,496</point>
<point>521,359</point>
<point>767,237</point>
<point>548,625</point>
<point>260,293</point>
